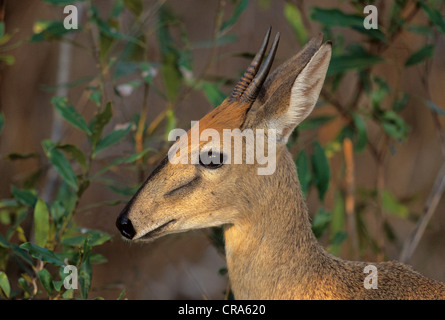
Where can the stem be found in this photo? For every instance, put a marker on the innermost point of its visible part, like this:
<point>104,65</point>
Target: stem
<point>430,207</point>
<point>94,35</point>
<point>348,149</point>
<point>139,136</point>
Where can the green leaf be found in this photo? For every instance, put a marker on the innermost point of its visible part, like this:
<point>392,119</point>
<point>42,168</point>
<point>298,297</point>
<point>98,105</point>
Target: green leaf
<point>22,254</point>
<point>75,153</point>
<point>239,9</point>
<point>41,223</point>
<point>3,242</point>
<point>213,94</point>
<point>396,21</point>
<point>2,121</point>
<point>95,95</point>
<point>315,122</point>
<point>111,139</point>
<point>121,295</point>
<point>435,108</point>
<point>99,122</point>
<point>58,285</point>
<point>171,122</point>
<point>394,125</point>
<point>58,212</point>
<point>134,6</point>
<point>132,158</point>
<point>85,271</point>
<point>70,84</point>
<point>337,240</point>
<point>419,56</point>
<point>434,15</point>
<point>68,294</point>
<point>293,17</point>
<point>320,167</point>
<point>378,94</point>
<point>50,30</point>
<point>60,163</point>
<point>393,206</point>
<point>338,224</point>
<point>422,30</point>
<point>129,159</point>
<point>66,198</point>
<point>42,254</point>
<point>335,18</point>
<point>118,7</point>
<point>24,285</point>
<point>97,258</point>
<point>304,173</point>
<point>46,280</point>
<point>70,114</point>
<point>4,284</point>
<point>108,31</point>
<point>357,60</point>
<point>95,238</point>
<point>2,29</point>
<point>401,102</point>
<point>125,191</point>
<point>171,75</point>
<point>25,197</point>
<point>361,134</point>
<point>321,222</point>
<point>374,34</point>
<point>7,59</point>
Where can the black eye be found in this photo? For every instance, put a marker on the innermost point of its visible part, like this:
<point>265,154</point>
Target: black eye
<point>211,160</point>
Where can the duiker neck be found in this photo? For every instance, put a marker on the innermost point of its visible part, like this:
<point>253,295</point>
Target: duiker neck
<point>270,249</point>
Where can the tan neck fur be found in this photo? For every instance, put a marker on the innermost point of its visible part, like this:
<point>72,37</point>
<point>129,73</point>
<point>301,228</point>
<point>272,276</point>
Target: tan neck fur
<point>273,254</point>
<point>265,248</point>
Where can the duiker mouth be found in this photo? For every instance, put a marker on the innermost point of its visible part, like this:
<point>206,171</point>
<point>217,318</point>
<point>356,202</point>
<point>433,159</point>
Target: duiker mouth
<point>157,232</point>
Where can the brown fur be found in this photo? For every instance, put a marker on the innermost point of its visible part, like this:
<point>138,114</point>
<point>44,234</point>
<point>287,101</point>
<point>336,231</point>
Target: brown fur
<point>272,253</point>
<point>270,248</point>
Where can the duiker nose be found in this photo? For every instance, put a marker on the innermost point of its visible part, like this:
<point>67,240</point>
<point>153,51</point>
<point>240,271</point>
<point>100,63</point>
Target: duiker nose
<point>125,226</point>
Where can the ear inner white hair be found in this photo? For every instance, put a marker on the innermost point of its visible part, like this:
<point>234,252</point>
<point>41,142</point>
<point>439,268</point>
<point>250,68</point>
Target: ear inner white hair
<point>305,90</point>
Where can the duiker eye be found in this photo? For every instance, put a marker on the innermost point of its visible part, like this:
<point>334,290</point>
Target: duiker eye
<point>211,160</point>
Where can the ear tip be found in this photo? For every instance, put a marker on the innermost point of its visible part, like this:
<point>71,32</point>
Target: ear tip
<point>327,47</point>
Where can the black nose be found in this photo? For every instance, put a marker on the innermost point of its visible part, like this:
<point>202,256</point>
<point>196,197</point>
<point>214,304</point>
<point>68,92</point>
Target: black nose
<point>125,227</point>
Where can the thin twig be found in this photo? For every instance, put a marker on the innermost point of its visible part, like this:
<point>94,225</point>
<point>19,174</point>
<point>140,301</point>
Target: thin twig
<point>440,131</point>
<point>438,189</point>
<point>430,207</point>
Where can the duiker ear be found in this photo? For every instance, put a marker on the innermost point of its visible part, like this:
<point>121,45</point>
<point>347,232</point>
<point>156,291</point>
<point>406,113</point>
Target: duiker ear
<point>291,92</point>
<point>305,91</point>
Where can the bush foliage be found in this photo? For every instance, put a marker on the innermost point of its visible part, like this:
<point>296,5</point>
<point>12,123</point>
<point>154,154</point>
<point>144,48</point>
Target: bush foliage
<point>120,52</point>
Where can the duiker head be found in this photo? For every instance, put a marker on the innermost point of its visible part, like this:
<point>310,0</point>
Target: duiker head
<point>206,185</point>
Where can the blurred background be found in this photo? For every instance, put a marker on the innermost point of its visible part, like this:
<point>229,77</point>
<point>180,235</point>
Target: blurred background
<point>84,117</point>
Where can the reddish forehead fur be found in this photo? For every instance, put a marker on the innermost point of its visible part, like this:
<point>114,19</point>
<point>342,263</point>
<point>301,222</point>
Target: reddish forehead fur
<point>228,115</point>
